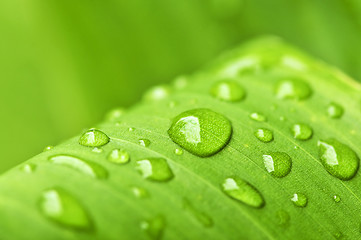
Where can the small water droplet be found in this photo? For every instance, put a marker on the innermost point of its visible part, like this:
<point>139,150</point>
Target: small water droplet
<point>156,169</point>
<point>28,168</point>
<point>201,131</point>
<point>338,235</point>
<point>299,200</point>
<point>242,191</point>
<point>118,156</point>
<point>301,131</point>
<point>88,168</point>
<point>336,198</point>
<point>278,164</point>
<point>154,227</point>
<point>97,150</point>
<point>180,82</point>
<point>178,151</point>
<point>144,142</point>
<point>131,129</point>
<point>228,90</point>
<point>264,135</point>
<point>201,217</point>
<point>283,218</point>
<point>115,115</point>
<point>293,88</point>
<point>61,207</point>
<point>157,93</point>
<point>140,192</point>
<point>338,159</point>
<point>334,110</point>
<point>93,138</point>
<point>258,117</point>
<point>172,104</point>
<point>48,148</point>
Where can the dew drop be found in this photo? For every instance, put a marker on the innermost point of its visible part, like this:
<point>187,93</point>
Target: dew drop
<point>48,148</point>
<point>115,115</point>
<point>301,131</point>
<point>88,168</point>
<point>293,88</point>
<point>278,164</point>
<point>180,82</point>
<point>201,217</point>
<point>28,168</point>
<point>283,218</point>
<point>140,192</point>
<point>242,191</point>
<point>157,93</point>
<point>93,138</point>
<point>118,156</point>
<point>264,135</point>
<point>59,206</point>
<point>144,142</point>
<point>336,198</point>
<point>258,117</point>
<point>338,159</point>
<point>178,151</point>
<point>131,129</point>
<point>334,110</point>
<point>154,227</point>
<point>156,169</point>
<point>201,131</point>
<point>228,90</point>
<point>97,150</point>
<point>299,200</point>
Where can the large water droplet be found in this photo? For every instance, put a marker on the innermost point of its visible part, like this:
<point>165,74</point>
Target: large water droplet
<point>258,117</point>
<point>264,135</point>
<point>242,191</point>
<point>201,217</point>
<point>278,164</point>
<point>93,138</point>
<point>115,115</point>
<point>301,131</point>
<point>293,88</point>
<point>62,208</point>
<point>154,227</point>
<point>299,200</point>
<point>118,156</point>
<point>338,159</point>
<point>144,142</point>
<point>28,167</point>
<point>157,93</point>
<point>334,110</point>
<point>156,169</point>
<point>201,131</point>
<point>88,168</point>
<point>228,91</point>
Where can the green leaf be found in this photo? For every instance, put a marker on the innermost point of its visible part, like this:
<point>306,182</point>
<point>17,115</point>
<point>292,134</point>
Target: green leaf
<point>166,192</point>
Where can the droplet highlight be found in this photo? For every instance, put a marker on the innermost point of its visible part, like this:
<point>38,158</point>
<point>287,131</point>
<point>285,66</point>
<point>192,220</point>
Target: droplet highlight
<point>28,168</point>
<point>140,192</point>
<point>337,198</point>
<point>118,156</point>
<point>299,200</point>
<point>156,169</point>
<point>278,164</point>
<point>93,138</point>
<point>144,142</point>
<point>334,110</point>
<point>228,90</point>
<point>258,117</point>
<point>292,88</point>
<point>301,131</point>
<point>48,148</point>
<point>178,151</point>
<point>264,135</point>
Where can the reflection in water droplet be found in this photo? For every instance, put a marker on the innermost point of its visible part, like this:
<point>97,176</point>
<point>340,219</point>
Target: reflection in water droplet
<point>258,117</point>
<point>228,91</point>
<point>242,191</point>
<point>93,138</point>
<point>61,207</point>
<point>156,169</point>
<point>88,168</point>
<point>144,142</point>
<point>334,110</point>
<point>201,131</point>
<point>299,200</point>
<point>201,217</point>
<point>301,131</point>
<point>264,135</point>
<point>157,93</point>
<point>293,89</point>
<point>278,164</point>
<point>118,156</point>
<point>338,159</point>
<point>28,168</point>
<point>48,148</point>
<point>178,151</point>
<point>154,227</point>
<point>140,192</point>
<point>115,115</point>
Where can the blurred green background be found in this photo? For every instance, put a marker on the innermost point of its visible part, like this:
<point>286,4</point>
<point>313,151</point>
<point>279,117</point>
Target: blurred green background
<point>64,63</point>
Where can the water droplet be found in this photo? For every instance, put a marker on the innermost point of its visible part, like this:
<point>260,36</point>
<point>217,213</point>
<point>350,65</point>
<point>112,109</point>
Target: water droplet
<point>293,89</point>
<point>154,227</point>
<point>157,93</point>
<point>282,118</point>
<point>334,110</point>
<point>201,131</point>
<point>28,168</point>
<point>178,151</point>
<point>338,159</point>
<point>118,156</point>
<point>156,169</point>
<point>228,91</point>
<point>338,235</point>
<point>115,115</point>
<point>278,164</point>
<point>301,131</point>
<point>88,168</point>
<point>144,142</point>
<point>336,198</point>
<point>299,200</point>
<point>264,135</point>
<point>97,150</point>
<point>61,207</point>
<point>131,129</point>
<point>258,117</point>
<point>201,217</point>
<point>180,82</point>
<point>140,192</point>
<point>242,191</point>
<point>93,138</point>
<point>48,148</point>
<point>283,218</point>
<point>172,104</point>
